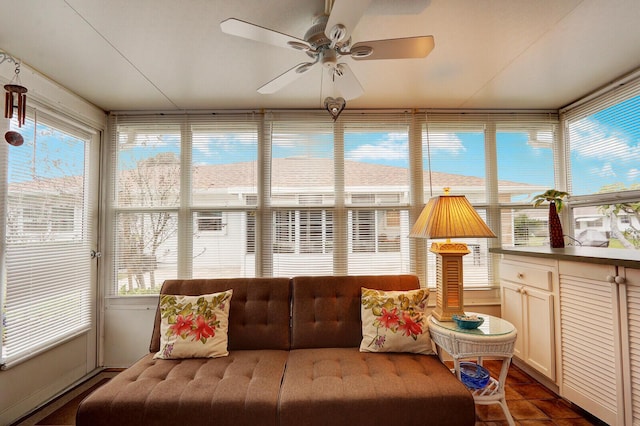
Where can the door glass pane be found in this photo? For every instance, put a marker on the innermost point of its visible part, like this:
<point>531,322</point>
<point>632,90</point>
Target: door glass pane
<point>49,233</point>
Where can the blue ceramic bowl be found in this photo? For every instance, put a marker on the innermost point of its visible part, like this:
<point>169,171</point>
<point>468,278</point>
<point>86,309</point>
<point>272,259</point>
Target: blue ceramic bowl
<point>468,323</point>
<point>474,376</point>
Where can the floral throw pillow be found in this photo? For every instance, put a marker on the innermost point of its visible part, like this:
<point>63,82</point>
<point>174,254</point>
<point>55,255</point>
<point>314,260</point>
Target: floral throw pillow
<point>194,326</point>
<point>395,321</point>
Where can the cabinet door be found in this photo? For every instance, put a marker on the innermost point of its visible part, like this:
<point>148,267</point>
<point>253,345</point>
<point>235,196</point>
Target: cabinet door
<point>512,311</point>
<point>591,350</point>
<point>540,337</point>
<point>630,312</point>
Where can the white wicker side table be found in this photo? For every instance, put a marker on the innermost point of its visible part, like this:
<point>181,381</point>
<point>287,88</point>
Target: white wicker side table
<point>494,339</point>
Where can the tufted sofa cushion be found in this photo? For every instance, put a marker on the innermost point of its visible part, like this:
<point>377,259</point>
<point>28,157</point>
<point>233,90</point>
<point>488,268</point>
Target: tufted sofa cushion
<point>240,389</point>
<point>342,386</point>
<point>259,312</point>
<point>326,310</point>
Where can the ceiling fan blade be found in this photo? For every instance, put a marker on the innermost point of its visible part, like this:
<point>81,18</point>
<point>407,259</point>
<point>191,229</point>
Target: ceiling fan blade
<point>254,32</point>
<point>346,13</point>
<point>346,82</point>
<point>397,48</point>
<point>285,78</point>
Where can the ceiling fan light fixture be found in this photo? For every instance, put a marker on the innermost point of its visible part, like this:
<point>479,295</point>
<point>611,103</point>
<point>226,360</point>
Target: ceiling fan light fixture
<point>361,51</point>
<point>337,33</point>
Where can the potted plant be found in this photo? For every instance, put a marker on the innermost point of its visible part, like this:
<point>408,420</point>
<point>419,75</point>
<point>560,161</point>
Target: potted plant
<point>556,202</point>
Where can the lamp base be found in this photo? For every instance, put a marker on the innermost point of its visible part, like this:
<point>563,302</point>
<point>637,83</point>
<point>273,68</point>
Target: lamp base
<point>449,283</point>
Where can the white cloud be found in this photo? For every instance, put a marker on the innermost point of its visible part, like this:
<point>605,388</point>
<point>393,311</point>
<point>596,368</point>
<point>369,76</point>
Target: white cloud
<point>382,151</point>
<point>393,148</point>
<point>213,143</point>
<point>592,139</point>
<point>448,142</point>
<point>605,171</point>
<point>633,174</point>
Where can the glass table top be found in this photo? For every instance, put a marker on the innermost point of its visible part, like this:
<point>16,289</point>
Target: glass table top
<point>492,326</point>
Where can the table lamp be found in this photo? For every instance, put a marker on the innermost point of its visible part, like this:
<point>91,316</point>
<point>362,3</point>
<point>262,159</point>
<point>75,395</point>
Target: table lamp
<point>449,216</point>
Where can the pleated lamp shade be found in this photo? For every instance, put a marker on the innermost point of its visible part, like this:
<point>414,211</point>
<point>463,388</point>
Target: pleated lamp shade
<point>450,216</point>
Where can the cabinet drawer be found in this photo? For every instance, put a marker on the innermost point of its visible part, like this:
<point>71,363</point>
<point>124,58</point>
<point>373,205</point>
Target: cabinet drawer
<point>527,275</point>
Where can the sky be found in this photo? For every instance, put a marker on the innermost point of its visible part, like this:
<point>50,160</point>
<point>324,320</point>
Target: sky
<point>605,150</point>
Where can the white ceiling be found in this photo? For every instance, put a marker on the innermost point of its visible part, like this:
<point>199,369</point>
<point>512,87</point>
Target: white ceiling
<point>172,55</point>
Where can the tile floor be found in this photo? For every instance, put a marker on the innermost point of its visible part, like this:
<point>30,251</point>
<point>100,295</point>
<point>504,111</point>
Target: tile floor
<point>530,403</point>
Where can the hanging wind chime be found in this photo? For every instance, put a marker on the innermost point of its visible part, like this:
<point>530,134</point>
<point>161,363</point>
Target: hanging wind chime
<point>15,88</point>
<point>15,91</point>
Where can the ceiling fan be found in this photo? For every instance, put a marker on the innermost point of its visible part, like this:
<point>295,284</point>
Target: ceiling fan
<point>327,42</point>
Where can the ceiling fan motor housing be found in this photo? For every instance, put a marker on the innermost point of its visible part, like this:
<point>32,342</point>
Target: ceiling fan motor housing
<point>315,35</point>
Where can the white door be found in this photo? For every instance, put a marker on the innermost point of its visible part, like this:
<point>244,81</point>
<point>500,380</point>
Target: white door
<point>49,190</point>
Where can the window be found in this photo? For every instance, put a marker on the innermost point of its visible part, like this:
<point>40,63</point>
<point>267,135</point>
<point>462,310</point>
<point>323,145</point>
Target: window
<point>210,221</point>
<point>525,227</point>
<point>525,153</point>
<point>147,192</point>
<point>604,177</point>
<point>603,148</point>
<point>145,241</point>
<point>292,193</point>
<point>47,296</point>
<point>63,219</point>
<point>251,232</point>
<point>389,231</point>
<point>363,231</point>
<point>315,231</point>
<point>285,232</point>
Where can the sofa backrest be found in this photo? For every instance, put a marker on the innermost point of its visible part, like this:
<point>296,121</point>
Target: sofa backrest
<point>326,310</point>
<point>258,315</point>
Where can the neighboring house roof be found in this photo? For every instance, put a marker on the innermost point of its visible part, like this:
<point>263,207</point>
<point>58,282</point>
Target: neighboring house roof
<point>318,172</point>
<point>287,173</point>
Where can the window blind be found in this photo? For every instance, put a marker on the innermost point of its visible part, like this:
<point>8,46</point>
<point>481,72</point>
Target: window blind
<point>147,175</point>
<point>48,293</point>
<point>603,174</point>
<point>223,195</point>
<point>282,193</point>
<point>602,143</point>
<point>302,194</point>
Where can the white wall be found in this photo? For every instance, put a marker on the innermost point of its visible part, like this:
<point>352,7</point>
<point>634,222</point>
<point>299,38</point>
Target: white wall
<point>127,330</point>
<point>25,386</point>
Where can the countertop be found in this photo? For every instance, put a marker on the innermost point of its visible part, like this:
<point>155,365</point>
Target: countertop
<point>606,256</point>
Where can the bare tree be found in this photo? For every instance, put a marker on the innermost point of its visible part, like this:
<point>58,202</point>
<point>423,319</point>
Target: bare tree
<point>153,183</point>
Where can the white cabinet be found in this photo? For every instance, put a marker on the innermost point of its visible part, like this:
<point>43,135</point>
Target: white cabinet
<point>629,292</point>
<point>600,323</point>
<point>591,340</point>
<point>595,296</point>
<point>528,294</point>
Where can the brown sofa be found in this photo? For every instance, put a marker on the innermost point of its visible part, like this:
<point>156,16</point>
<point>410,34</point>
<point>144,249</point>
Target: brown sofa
<point>293,360</point>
